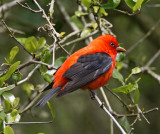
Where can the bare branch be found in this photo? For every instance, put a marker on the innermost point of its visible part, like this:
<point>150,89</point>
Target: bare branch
<point>36,62</point>
<point>29,75</point>
<point>109,107</point>
<point>66,16</point>
<point>153,74</point>
<point>28,123</point>
<point>144,37</point>
<point>124,104</point>
<point>12,36</point>
<point>9,5</point>
<point>46,17</point>
<point>110,115</point>
<point>153,5</point>
<point>69,35</point>
<point>27,7</point>
<point>127,13</point>
<point>147,67</point>
<point>80,39</point>
<point>153,58</point>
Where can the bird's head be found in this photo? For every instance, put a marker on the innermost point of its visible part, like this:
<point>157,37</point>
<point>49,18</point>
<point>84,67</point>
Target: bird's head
<point>109,44</point>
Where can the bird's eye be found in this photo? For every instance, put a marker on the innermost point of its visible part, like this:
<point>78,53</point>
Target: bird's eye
<point>112,44</point>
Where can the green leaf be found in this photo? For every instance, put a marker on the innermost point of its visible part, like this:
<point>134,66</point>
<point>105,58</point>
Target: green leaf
<point>2,115</point>
<point>77,22</point>
<point>16,102</point>
<point>96,8</point>
<point>13,53</point>
<point>11,70</point>
<point>28,88</point>
<point>117,75</point>
<point>13,116</point>
<point>1,108</point>
<point>1,126</point>
<point>6,88</point>
<point>32,44</point>
<point>8,130</point>
<point>16,76</point>
<point>127,88</point>
<point>86,3</point>
<point>136,70</point>
<point>41,43</point>
<point>52,110</point>
<point>59,61</point>
<point>136,96</point>
<point>7,105</point>
<point>111,4</point>
<point>47,77</point>
<point>102,12</point>
<point>80,13</point>
<point>47,57</point>
<point>94,25</point>
<point>120,57</point>
<point>124,122</point>
<point>8,96</point>
<point>119,65</point>
<point>130,3</point>
<point>14,113</point>
<point>85,32</point>
<point>145,2</point>
<point>137,5</point>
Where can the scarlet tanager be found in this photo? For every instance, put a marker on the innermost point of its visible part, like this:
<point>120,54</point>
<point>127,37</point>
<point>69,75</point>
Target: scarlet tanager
<point>88,68</point>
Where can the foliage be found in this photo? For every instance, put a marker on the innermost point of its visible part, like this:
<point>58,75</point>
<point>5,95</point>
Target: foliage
<point>46,47</point>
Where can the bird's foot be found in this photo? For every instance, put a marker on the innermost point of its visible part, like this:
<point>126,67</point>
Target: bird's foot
<point>93,94</point>
<point>101,105</point>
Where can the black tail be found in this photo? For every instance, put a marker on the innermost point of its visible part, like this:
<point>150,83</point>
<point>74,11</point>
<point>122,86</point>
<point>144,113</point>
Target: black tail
<point>47,97</point>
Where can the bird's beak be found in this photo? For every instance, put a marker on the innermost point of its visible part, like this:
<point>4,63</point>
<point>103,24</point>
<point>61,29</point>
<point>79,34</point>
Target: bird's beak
<point>120,49</point>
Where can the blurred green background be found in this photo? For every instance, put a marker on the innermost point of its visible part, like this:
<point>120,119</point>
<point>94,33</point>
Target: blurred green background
<point>76,113</point>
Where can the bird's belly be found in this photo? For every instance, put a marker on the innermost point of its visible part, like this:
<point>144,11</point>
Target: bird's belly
<point>100,81</point>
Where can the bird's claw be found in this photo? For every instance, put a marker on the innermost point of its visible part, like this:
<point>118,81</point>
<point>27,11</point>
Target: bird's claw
<point>93,95</point>
<point>102,104</point>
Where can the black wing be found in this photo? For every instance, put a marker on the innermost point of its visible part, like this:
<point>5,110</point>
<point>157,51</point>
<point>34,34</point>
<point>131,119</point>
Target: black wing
<point>86,69</point>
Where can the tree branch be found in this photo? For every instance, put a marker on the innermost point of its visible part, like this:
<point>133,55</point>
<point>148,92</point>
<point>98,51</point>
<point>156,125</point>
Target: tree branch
<point>144,37</point>
<point>9,5</point>
<point>28,123</point>
<point>12,36</point>
<point>110,115</point>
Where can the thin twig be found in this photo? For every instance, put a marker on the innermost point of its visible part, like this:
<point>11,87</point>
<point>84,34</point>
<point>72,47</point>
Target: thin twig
<point>28,123</point>
<point>110,115</point>
<point>153,58</point>
<point>69,36</point>
<point>134,114</point>
<point>46,17</point>
<point>66,16</point>
<point>127,13</point>
<point>144,37</point>
<point>27,7</point>
<point>51,8</point>
<point>148,69</point>
<point>29,75</point>
<point>153,5</point>
<point>109,107</point>
<point>80,39</point>
<point>153,74</point>
<point>124,104</point>
<point>12,36</point>
<point>36,62</point>
<point>9,5</point>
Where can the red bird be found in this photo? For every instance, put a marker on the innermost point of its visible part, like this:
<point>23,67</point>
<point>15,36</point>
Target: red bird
<point>88,68</point>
